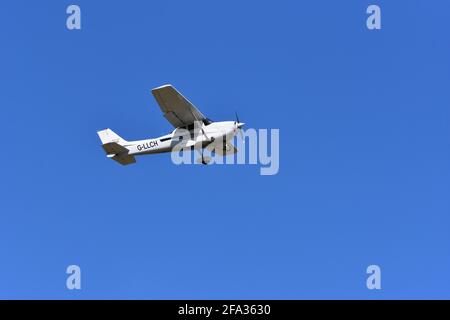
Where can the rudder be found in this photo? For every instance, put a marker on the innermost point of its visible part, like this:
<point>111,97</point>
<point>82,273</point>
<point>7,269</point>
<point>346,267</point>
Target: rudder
<point>107,136</point>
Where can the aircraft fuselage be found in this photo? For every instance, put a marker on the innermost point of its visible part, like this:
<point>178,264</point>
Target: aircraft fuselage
<point>185,138</point>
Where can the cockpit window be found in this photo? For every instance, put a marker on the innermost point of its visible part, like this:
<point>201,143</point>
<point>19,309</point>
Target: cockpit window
<point>190,127</point>
<point>207,121</point>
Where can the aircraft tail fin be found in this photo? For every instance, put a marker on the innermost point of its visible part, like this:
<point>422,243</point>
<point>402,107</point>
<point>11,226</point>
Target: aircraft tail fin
<point>114,147</point>
<point>108,136</point>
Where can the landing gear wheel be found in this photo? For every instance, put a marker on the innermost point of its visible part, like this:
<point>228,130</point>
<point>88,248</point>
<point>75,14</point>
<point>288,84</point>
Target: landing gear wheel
<point>204,160</point>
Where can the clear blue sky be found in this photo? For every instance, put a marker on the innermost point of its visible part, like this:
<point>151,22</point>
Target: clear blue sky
<point>364,160</point>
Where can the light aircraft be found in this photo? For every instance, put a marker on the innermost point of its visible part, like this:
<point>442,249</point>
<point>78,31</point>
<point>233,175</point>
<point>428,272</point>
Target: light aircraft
<point>192,131</point>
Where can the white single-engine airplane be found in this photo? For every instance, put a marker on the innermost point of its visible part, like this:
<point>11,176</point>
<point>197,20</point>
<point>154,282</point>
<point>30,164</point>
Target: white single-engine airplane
<point>192,131</point>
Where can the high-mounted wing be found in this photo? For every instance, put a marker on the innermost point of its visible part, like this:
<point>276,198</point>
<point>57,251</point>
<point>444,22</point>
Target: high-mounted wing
<point>176,108</point>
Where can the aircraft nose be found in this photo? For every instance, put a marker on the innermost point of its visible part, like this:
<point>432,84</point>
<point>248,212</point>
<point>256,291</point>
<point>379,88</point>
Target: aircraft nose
<point>240,124</point>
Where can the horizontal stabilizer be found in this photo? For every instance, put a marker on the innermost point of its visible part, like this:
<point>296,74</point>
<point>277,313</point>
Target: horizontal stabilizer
<point>124,159</point>
<point>118,153</point>
<point>114,148</point>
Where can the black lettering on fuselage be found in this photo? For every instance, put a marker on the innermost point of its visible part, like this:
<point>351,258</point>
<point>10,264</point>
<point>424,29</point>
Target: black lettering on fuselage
<point>147,145</point>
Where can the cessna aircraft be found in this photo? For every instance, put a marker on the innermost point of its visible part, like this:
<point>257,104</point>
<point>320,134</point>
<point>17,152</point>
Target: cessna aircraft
<point>192,131</point>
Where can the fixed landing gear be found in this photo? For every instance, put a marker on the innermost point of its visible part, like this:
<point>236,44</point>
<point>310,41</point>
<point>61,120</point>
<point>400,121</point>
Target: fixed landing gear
<point>204,160</point>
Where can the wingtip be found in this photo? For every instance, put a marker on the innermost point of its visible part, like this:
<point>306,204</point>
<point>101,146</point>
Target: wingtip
<point>163,86</point>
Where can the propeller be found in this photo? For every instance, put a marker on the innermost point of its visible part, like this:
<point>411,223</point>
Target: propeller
<point>238,125</point>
